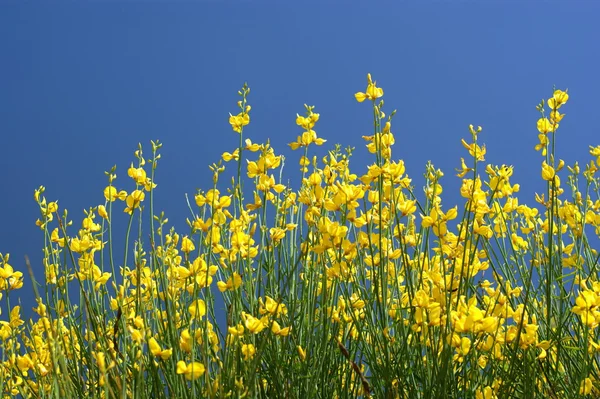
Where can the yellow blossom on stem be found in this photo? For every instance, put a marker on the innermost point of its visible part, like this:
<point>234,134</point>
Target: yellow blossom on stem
<point>238,121</point>
<point>133,200</point>
<point>544,126</point>
<point>372,93</point>
<point>191,371</point>
<point>228,156</point>
<point>301,352</point>
<point>248,351</point>
<point>137,174</point>
<point>102,212</point>
<point>157,351</point>
<point>233,283</point>
<point>111,194</point>
<point>253,324</point>
<point>187,245</point>
<point>279,331</point>
<point>197,309</point>
<point>558,99</point>
<point>548,172</point>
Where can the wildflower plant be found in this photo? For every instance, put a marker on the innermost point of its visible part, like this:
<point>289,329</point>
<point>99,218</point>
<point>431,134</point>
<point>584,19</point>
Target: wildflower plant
<point>354,284</point>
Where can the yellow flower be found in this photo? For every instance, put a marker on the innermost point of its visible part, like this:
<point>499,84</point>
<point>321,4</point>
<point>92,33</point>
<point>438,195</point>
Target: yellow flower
<point>133,200</point>
<point>475,150</point>
<point>54,237</point>
<point>373,92</point>
<point>157,351</point>
<point>191,371</point>
<point>272,306</point>
<point>464,169</point>
<point>111,194</point>
<point>52,207</point>
<point>253,324</point>
<point>248,351</point>
<point>548,172</point>
<point>137,174</point>
<point>277,330</point>
<point>102,212</point>
<point>595,151</point>
<point>236,331</point>
<point>228,156</point>
<point>253,147</point>
<point>487,393</point>
<point>233,283</point>
<point>187,245</point>
<point>197,309</point>
<point>586,386</point>
<point>301,352</point>
<point>544,126</point>
<point>25,362</point>
<point>238,121</point>
<point>558,99</point>
<point>309,121</point>
<point>185,341</point>
<point>276,234</point>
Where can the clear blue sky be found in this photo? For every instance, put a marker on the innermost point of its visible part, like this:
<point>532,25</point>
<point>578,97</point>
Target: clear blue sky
<point>82,84</point>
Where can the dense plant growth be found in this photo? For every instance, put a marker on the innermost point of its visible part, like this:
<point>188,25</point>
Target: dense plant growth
<point>353,285</point>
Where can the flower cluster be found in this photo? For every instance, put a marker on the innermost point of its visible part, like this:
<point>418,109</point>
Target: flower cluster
<point>350,285</point>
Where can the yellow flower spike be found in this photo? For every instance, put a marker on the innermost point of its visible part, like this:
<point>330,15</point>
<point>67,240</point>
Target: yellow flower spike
<point>191,371</point>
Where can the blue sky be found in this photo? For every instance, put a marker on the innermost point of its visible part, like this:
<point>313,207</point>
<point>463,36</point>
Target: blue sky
<point>82,84</point>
